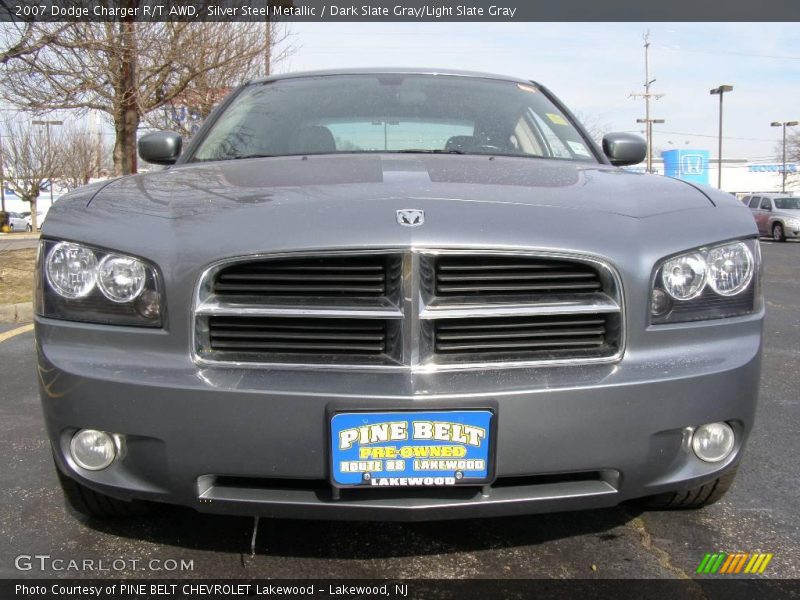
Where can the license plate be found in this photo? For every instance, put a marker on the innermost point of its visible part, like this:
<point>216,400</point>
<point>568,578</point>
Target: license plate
<point>411,448</point>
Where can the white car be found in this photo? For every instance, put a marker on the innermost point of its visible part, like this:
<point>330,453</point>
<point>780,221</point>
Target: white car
<point>18,222</point>
<point>39,220</point>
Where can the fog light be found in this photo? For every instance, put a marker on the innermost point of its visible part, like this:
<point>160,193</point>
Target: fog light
<point>93,450</point>
<point>713,442</point>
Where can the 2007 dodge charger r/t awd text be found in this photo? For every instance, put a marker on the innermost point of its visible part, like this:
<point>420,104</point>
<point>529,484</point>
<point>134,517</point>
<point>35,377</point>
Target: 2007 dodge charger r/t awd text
<point>396,295</point>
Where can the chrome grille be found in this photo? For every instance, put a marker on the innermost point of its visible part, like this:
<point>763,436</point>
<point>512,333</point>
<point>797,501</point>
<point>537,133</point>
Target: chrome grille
<point>418,309</point>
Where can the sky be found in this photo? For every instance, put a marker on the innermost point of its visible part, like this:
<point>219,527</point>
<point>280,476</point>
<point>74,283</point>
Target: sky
<point>594,67</point>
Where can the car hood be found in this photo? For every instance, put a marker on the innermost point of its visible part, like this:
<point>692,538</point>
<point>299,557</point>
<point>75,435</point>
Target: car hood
<point>363,183</point>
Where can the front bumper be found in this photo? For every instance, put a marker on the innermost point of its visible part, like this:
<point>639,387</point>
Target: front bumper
<point>254,442</point>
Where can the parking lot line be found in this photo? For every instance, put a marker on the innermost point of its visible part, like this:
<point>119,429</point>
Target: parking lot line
<point>15,332</point>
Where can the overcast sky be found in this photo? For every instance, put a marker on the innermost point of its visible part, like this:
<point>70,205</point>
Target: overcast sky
<point>594,67</point>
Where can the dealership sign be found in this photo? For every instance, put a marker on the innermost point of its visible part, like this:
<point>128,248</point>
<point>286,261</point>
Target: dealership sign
<point>778,168</point>
<point>689,165</point>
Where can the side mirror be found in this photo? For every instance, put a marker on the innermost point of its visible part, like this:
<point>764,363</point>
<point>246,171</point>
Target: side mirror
<point>624,148</point>
<point>160,147</point>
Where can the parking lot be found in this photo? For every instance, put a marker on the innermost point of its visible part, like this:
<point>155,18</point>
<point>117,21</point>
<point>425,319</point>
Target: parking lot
<point>758,515</point>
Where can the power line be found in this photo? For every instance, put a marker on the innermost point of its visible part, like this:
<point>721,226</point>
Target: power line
<point>726,137</point>
<point>715,52</point>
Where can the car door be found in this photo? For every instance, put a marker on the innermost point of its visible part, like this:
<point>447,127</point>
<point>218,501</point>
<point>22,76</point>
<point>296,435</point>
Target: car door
<point>755,210</point>
<point>764,217</point>
<point>14,221</point>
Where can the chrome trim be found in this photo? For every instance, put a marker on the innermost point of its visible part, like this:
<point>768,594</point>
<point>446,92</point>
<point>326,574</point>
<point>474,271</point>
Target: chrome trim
<point>414,305</point>
<point>217,308</point>
<point>601,303</point>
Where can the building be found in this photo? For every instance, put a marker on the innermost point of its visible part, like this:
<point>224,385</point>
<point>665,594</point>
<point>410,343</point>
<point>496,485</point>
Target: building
<point>739,175</point>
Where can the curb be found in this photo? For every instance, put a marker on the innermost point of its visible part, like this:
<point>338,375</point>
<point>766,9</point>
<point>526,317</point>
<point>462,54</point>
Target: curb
<point>20,236</point>
<point>16,313</point>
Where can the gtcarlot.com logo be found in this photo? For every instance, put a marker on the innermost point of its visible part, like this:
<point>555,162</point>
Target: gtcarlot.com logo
<point>735,562</point>
<point>45,562</point>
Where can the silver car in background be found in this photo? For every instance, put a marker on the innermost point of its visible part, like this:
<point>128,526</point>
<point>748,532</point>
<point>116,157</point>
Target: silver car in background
<point>776,215</point>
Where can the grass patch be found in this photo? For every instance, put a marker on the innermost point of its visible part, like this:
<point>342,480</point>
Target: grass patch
<point>16,275</point>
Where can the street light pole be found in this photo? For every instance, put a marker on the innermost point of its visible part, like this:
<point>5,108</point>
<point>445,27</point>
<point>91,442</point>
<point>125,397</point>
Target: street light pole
<point>649,133</point>
<point>49,153</point>
<point>721,91</point>
<point>784,124</point>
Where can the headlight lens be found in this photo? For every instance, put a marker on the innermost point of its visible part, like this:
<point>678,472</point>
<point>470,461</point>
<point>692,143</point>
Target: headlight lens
<point>730,268</point>
<point>711,282</point>
<point>82,283</point>
<point>71,270</point>
<point>684,276</point>
<point>121,278</point>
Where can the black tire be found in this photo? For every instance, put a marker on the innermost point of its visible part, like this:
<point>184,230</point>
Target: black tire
<point>29,228</point>
<point>777,233</point>
<point>704,495</point>
<point>93,504</point>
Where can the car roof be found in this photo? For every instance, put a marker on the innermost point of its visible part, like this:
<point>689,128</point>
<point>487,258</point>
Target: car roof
<point>393,71</point>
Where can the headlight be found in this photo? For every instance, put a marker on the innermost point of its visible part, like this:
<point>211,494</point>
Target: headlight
<point>121,278</point>
<point>684,276</point>
<point>82,283</point>
<point>71,270</point>
<point>711,282</point>
<point>730,268</point>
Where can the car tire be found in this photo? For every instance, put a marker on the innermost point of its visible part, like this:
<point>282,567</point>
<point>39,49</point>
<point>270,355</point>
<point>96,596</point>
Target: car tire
<point>777,233</point>
<point>89,503</point>
<point>698,497</point>
<point>29,228</point>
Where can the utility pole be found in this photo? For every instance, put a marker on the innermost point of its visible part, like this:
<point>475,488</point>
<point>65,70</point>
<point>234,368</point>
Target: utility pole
<point>721,92</point>
<point>784,124</point>
<point>647,95</point>
<point>2,179</point>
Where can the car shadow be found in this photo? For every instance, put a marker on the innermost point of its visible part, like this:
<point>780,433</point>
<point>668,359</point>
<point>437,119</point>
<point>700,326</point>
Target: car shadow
<point>185,528</point>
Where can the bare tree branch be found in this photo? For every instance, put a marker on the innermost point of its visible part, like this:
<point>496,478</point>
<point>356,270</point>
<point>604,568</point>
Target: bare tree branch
<point>29,160</point>
<point>128,69</point>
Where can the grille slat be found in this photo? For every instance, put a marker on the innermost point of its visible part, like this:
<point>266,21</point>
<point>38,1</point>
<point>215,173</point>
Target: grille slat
<point>521,336</point>
<point>512,276</point>
<point>325,276</point>
<point>276,335</point>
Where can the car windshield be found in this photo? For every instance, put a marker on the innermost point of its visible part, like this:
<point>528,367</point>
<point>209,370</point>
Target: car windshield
<point>392,113</point>
<point>787,203</point>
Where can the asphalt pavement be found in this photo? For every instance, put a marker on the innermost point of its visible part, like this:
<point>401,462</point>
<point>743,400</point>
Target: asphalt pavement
<point>759,514</point>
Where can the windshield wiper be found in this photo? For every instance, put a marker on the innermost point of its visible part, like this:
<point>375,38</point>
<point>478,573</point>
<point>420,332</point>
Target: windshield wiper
<point>422,151</point>
<point>243,156</point>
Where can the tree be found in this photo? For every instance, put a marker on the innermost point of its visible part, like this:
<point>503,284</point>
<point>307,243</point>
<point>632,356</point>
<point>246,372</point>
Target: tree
<point>128,69</point>
<point>30,160</point>
<point>20,39</point>
<point>595,126</point>
<point>81,156</point>
<point>792,155</point>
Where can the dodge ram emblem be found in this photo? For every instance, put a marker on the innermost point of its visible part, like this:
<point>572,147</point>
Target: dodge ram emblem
<point>411,217</point>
